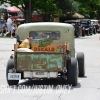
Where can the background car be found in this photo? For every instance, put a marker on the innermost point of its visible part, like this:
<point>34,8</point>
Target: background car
<point>96,24</point>
<point>20,21</point>
<point>77,26</point>
<point>87,26</point>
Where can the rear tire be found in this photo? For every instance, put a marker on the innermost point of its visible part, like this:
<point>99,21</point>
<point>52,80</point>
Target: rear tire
<point>81,66</point>
<point>77,33</point>
<point>72,71</point>
<point>94,31</point>
<point>87,32</point>
<point>83,33</point>
<point>10,65</point>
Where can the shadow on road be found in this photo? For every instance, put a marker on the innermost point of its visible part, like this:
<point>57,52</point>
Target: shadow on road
<point>53,83</point>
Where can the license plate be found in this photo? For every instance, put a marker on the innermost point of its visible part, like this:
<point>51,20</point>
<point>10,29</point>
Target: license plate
<point>39,73</point>
<point>14,76</point>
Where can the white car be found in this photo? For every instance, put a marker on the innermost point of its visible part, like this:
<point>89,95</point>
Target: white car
<point>96,24</point>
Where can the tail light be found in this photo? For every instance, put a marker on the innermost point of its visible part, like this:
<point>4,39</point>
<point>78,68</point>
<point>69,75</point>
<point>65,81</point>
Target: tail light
<point>11,56</point>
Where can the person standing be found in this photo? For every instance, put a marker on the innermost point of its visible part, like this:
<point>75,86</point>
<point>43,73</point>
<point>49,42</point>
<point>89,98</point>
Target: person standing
<point>1,28</point>
<point>15,27</point>
<point>9,25</point>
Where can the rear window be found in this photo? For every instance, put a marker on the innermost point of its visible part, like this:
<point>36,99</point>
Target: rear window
<point>85,22</point>
<point>41,35</point>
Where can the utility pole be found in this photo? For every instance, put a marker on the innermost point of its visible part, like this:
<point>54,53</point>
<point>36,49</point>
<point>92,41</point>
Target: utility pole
<point>30,12</point>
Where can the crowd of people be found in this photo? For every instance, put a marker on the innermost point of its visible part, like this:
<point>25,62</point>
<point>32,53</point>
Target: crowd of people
<point>8,27</point>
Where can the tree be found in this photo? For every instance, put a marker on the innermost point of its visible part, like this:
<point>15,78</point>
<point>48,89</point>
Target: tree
<point>89,8</point>
<point>23,3</point>
<point>46,7</point>
<point>67,5</point>
<point>68,8</point>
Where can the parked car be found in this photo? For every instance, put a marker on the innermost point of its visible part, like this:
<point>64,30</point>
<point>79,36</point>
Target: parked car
<point>98,30</point>
<point>96,24</point>
<point>46,50</point>
<point>20,21</point>
<point>77,26</point>
<point>87,26</point>
<point>14,15</point>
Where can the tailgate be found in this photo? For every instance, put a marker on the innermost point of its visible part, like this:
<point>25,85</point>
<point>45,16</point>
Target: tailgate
<point>35,61</point>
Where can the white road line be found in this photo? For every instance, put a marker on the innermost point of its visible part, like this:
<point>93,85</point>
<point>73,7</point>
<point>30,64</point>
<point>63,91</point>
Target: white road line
<point>79,41</point>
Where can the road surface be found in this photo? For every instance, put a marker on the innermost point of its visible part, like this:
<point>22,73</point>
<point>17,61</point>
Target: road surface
<point>88,88</point>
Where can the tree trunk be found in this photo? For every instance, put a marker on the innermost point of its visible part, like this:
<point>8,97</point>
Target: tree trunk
<point>26,11</point>
<point>92,15</point>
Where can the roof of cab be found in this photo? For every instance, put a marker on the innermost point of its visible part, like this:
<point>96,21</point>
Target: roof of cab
<point>25,29</point>
<point>45,24</point>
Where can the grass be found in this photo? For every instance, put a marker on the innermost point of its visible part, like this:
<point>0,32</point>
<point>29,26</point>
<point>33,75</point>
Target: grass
<point>8,36</point>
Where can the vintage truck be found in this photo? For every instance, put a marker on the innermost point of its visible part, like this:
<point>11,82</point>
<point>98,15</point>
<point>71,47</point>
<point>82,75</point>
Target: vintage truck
<point>45,50</point>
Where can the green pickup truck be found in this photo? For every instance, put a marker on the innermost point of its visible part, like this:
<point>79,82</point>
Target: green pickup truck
<point>47,52</point>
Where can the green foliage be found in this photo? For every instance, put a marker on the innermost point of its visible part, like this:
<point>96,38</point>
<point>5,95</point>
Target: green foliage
<point>67,5</point>
<point>49,6</point>
<point>89,8</point>
<point>46,6</point>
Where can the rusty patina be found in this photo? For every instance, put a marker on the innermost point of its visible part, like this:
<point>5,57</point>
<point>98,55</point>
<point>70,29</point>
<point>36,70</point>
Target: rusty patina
<point>39,61</point>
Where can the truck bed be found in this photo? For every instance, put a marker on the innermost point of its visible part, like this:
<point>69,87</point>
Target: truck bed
<point>39,61</point>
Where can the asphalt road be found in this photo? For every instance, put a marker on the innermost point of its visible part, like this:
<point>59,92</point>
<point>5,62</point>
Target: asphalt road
<point>88,88</point>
